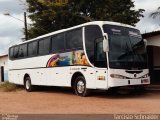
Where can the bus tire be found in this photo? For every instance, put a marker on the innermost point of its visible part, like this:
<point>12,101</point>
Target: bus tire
<point>28,85</point>
<point>80,87</point>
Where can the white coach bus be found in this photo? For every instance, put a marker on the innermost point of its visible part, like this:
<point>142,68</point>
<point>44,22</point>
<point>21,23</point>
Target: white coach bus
<point>94,55</point>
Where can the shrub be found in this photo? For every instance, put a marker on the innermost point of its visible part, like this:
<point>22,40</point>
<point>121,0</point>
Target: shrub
<point>8,87</point>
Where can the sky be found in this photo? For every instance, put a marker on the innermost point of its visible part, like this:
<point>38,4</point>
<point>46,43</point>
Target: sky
<point>148,24</point>
<point>11,29</point>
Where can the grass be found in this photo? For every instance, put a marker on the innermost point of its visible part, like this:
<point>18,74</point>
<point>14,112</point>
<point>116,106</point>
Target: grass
<point>8,87</point>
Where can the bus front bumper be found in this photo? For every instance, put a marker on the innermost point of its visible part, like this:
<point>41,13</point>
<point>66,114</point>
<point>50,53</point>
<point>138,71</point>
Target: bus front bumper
<point>128,82</point>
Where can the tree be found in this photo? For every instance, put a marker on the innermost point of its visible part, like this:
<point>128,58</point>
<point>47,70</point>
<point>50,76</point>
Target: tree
<point>52,15</point>
<point>48,16</point>
<point>156,13</point>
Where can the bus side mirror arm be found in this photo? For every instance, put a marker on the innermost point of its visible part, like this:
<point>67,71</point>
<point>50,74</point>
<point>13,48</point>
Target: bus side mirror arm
<point>105,43</point>
<point>145,42</point>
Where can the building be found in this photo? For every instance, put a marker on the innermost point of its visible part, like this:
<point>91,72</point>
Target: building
<point>3,68</point>
<point>153,51</point>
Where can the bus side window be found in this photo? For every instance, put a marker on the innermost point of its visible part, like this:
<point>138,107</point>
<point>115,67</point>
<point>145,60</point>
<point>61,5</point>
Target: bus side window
<point>32,49</point>
<point>100,55</point>
<point>58,43</point>
<point>16,51</point>
<point>44,46</point>
<point>92,32</point>
<point>74,39</point>
<point>22,51</point>
<point>11,53</point>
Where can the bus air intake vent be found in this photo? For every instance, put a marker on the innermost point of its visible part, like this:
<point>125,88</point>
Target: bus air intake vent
<point>134,71</point>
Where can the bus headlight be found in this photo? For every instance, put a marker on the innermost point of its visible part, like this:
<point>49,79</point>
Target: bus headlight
<point>117,76</point>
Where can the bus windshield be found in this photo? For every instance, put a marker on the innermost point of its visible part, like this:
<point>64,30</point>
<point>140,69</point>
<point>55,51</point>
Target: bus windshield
<point>126,48</point>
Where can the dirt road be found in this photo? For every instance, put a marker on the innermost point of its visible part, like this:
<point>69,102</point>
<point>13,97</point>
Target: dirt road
<point>64,101</point>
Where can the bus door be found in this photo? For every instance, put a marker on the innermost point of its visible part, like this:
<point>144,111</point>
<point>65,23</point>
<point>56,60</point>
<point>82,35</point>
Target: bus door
<point>101,78</point>
<point>100,63</point>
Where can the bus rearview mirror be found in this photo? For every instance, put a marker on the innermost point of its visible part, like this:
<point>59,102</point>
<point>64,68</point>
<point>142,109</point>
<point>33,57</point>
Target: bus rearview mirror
<point>145,42</point>
<point>105,43</point>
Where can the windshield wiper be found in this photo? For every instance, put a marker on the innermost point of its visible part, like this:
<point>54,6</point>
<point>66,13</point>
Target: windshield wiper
<point>128,52</point>
<point>136,56</point>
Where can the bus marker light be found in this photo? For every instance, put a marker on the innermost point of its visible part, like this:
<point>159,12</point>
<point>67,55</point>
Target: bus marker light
<point>145,81</point>
<point>101,78</point>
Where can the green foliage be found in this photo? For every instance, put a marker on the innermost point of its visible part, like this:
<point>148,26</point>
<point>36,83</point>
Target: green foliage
<point>110,10</point>
<point>156,13</point>
<point>48,15</point>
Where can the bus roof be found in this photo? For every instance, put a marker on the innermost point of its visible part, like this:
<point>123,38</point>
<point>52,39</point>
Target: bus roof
<point>81,25</point>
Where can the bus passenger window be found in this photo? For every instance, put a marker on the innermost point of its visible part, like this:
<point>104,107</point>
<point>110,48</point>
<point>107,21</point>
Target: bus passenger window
<point>74,39</point>
<point>11,53</point>
<point>16,51</point>
<point>58,43</point>
<point>44,46</point>
<point>32,49</point>
<point>22,51</point>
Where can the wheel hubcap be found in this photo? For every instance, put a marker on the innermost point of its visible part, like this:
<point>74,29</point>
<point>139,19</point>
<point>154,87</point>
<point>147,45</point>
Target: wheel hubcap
<point>80,87</point>
<point>27,84</point>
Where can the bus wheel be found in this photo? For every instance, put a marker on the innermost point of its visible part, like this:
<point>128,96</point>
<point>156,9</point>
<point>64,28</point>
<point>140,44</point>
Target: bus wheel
<point>27,84</point>
<point>80,87</point>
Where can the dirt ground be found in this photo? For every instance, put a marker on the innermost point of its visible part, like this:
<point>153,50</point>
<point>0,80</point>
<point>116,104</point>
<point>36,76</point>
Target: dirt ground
<point>64,101</point>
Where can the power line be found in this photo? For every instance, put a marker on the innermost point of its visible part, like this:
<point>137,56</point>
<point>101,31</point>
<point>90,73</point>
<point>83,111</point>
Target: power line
<point>13,17</point>
<point>38,27</point>
<point>24,3</point>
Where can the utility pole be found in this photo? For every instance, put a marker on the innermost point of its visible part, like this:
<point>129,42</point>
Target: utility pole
<point>25,25</point>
